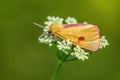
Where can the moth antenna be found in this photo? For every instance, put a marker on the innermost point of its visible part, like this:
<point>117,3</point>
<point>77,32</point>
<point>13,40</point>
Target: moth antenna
<point>38,25</point>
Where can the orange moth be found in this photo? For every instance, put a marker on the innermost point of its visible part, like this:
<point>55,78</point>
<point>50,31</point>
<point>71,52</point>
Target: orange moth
<point>84,35</point>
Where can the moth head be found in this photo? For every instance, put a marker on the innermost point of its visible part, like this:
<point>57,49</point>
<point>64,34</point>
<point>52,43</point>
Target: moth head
<point>55,27</point>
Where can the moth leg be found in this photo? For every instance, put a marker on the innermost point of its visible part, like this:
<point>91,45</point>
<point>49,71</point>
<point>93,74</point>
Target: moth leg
<point>55,38</point>
<point>42,35</point>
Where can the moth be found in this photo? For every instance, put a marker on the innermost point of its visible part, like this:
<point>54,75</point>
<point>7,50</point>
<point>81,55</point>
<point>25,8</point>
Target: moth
<point>84,35</point>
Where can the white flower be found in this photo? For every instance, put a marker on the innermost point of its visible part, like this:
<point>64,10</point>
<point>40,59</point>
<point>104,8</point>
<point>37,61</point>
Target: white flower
<point>80,53</point>
<point>103,42</point>
<point>71,20</point>
<point>46,38</point>
<point>64,45</point>
<point>53,19</point>
<point>46,29</point>
<point>85,22</point>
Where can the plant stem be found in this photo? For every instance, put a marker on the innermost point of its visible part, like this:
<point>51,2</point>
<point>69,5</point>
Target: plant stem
<point>56,72</point>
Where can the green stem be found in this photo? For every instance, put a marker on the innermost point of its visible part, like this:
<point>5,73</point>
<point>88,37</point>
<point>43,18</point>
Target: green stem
<point>56,72</point>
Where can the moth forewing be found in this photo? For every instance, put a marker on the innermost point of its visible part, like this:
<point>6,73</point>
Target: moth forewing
<point>73,32</point>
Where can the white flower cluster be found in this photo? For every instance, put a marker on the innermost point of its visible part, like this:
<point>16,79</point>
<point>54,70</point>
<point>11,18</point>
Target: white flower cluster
<point>64,45</point>
<point>71,20</point>
<point>52,20</point>
<point>103,42</point>
<point>46,38</point>
<point>80,53</point>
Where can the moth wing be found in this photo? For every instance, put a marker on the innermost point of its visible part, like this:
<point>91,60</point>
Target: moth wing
<point>89,32</point>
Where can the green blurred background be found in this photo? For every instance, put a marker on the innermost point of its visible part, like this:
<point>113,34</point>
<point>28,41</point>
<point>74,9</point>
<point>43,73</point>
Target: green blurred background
<point>23,58</point>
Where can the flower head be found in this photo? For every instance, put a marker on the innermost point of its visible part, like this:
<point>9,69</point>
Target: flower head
<point>80,53</point>
<point>71,20</point>
<point>65,45</point>
<point>53,19</point>
<point>103,42</point>
<point>46,38</point>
